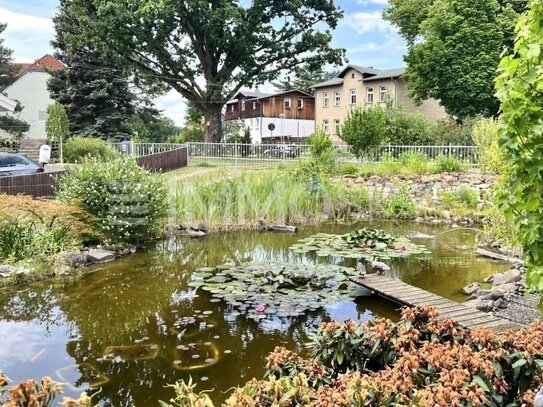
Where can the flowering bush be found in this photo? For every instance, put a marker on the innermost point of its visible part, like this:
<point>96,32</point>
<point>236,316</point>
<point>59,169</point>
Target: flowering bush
<point>419,361</point>
<point>128,202</point>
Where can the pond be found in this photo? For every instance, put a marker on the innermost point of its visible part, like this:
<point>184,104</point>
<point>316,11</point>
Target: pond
<point>133,326</point>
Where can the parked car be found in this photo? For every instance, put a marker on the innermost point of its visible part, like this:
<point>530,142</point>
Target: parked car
<point>16,164</point>
<point>279,151</point>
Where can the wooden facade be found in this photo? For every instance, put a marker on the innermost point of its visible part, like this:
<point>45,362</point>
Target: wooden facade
<point>295,105</point>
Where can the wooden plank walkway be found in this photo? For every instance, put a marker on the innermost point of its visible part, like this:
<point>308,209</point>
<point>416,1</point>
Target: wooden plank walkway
<point>406,294</point>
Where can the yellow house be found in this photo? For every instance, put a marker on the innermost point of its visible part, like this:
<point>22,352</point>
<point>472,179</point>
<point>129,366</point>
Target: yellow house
<point>359,86</point>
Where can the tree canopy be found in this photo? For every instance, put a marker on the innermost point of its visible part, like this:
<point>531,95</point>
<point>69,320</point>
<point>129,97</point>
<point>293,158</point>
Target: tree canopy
<point>519,88</point>
<point>92,87</point>
<point>208,50</point>
<point>454,48</point>
<point>304,78</point>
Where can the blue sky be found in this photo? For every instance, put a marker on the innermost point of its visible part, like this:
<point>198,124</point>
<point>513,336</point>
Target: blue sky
<point>368,39</point>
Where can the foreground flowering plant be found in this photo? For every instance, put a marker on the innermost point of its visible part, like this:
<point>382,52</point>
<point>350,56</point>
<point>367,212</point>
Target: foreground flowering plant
<point>31,393</point>
<point>419,361</point>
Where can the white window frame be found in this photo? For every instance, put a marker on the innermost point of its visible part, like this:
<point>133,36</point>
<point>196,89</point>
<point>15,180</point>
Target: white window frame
<point>287,103</point>
<point>325,99</point>
<point>337,98</point>
<point>354,97</point>
<point>254,105</point>
<point>243,105</point>
<point>325,126</point>
<point>257,124</point>
<point>337,126</point>
<point>383,93</point>
<point>300,104</point>
<point>369,95</point>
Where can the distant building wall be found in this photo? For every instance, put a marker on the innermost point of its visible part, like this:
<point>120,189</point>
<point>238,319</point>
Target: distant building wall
<point>283,127</point>
<point>30,89</point>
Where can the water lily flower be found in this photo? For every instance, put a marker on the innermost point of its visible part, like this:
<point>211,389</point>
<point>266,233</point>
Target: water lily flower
<point>260,308</point>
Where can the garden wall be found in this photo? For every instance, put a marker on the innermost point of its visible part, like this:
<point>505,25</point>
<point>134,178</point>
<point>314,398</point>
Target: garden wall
<point>420,187</point>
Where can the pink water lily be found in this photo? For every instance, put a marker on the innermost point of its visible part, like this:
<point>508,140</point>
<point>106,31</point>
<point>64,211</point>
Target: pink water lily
<point>260,308</point>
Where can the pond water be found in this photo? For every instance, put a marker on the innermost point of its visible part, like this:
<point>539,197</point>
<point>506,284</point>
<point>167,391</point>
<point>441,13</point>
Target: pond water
<point>134,326</point>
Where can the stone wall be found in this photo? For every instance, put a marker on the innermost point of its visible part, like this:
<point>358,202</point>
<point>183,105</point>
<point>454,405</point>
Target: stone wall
<point>422,187</point>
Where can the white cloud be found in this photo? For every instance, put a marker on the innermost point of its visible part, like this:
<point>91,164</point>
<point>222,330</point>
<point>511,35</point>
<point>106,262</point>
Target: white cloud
<point>24,23</point>
<point>365,22</point>
<point>173,106</point>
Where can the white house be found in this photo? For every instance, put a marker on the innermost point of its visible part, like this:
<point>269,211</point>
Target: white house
<point>30,90</point>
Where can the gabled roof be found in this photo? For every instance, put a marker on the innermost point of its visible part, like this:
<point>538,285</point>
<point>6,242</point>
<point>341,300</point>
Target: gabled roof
<point>45,62</point>
<point>7,104</point>
<point>386,74</point>
<point>371,73</point>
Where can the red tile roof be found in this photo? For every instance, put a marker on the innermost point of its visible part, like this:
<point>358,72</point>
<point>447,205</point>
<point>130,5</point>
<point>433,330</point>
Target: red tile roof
<point>45,62</point>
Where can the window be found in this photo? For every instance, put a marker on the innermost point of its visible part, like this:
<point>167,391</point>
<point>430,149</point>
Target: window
<point>12,161</point>
<point>337,98</point>
<point>243,105</point>
<point>336,127</point>
<point>300,103</point>
<point>353,97</point>
<point>325,126</point>
<point>382,94</point>
<point>257,124</point>
<point>325,99</point>
<point>288,103</point>
<point>369,95</point>
<point>352,75</point>
<point>232,108</point>
<point>254,105</point>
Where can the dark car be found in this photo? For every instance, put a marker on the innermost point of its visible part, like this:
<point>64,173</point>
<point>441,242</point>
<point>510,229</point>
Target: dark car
<point>16,164</point>
<point>282,152</point>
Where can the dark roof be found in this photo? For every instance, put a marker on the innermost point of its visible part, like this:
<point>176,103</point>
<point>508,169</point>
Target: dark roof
<point>257,95</point>
<point>373,74</point>
<point>386,74</point>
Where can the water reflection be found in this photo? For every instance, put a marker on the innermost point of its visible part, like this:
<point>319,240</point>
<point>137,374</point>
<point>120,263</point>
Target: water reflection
<point>134,326</point>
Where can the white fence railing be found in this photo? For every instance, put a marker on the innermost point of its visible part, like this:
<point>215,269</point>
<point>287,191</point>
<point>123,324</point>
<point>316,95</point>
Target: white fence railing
<point>217,154</point>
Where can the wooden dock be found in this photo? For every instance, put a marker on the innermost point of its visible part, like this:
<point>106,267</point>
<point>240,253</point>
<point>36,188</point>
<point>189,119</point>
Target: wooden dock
<point>405,294</point>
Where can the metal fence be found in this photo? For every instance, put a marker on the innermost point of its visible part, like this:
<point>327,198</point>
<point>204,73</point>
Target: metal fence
<point>263,155</point>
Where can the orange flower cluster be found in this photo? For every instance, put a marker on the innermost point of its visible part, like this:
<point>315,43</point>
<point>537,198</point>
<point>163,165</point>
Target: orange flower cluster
<point>31,393</point>
<point>282,362</point>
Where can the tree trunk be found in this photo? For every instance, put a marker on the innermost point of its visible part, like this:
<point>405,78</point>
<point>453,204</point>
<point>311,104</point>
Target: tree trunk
<point>213,124</point>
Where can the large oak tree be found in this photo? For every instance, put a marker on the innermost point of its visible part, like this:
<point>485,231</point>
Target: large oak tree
<point>209,49</point>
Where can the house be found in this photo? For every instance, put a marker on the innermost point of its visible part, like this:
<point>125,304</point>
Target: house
<point>30,90</point>
<point>285,116</point>
<point>7,104</point>
<point>364,87</point>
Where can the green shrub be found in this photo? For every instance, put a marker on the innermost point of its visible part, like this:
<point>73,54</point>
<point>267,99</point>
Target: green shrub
<point>80,148</point>
<point>447,131</point>
<point>348,169</point>
<point>408,129</point>
<point>320,143</point>
<point>448,164</point>
<point>364,129</point>
<point>401,205</point>
<point>128,202</point>
<point>467,196</point>
<point>485,136</point>
<point>414,162</point>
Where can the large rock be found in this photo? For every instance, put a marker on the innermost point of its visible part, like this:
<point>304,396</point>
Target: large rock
<point>493,295</point>
<point>471,289</point>
<point>506,288</point>
<point>7,270</point>
<point>511,276</point>
<point>484,305</point>
<point>100,256</point>
<point>76,259</point>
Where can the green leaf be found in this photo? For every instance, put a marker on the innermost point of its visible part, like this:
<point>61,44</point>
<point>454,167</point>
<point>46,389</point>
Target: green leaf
<point>482,383</point>
<point>519,363</point>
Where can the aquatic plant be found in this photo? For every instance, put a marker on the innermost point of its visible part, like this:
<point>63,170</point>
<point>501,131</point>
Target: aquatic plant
<point>364,243</point>
<point>258,290</point>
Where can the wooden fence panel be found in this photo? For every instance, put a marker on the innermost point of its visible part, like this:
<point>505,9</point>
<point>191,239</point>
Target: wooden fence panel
<point>36,185</point>
<point>167,161</point>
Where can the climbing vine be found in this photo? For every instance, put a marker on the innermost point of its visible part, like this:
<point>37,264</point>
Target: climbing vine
<point>520,89</point>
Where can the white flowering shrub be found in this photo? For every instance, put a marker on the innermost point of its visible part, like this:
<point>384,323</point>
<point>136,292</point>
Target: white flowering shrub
<point>129,203</point>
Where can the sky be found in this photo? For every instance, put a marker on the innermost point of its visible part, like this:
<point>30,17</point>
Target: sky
<point>368,39</point>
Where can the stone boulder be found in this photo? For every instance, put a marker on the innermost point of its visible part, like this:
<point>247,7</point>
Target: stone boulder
<point>471,289</point>
<point>7,270</point>
<point>481,305</point>
<point>511,276</point>
<point>76,259</point>
<point>506,288</point>
<point>96,256</point>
